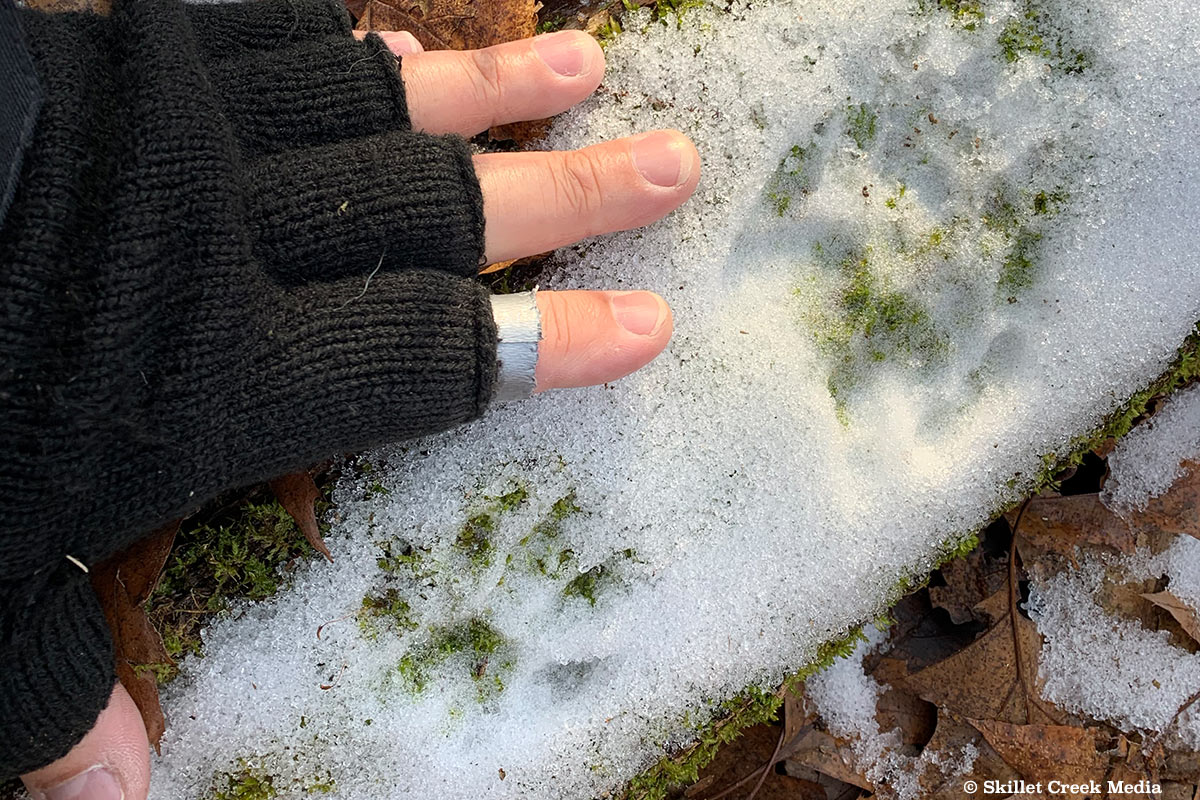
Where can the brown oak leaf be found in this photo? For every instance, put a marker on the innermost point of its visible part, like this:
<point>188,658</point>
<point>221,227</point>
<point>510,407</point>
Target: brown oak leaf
<point>122,584</point>
<point>298,494</point>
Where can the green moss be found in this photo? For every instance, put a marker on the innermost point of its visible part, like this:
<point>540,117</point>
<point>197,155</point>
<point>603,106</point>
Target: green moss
<point>1018,269</point>
<point>861,124</point>
<point>965,13</point>
<point>474,539</point>
<point>246,784</point>
<point>893,201</point>
<point>586,584</point>
<point>240,555</point>
<point>1031,34</point>
<point>510,501</point>
<point>478,645</point>
<point>321,786</point>
<point>399,558</point>
<point>1021,218</point>
<point>385,608</point>
<point>551,24</point>
<point>564,507</point>
<point>608,31</point>
<point>667,9</point>
<point>793,178</point>
<point>870,322</point>
<point>1049,203</point>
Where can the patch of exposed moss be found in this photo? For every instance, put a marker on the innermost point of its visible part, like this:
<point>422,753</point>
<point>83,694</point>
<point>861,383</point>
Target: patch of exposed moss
<point>792,179</point>
<point>474,539</point>
<point>540,552</point>
<point>400,558</point>
<point>587,584</point>
<point>861,124</point>
<point>478,645</point>
<point>551,24</point>
<point>243,554</point>
<point>870,322</point>
<point>1031,34</point>
<point>965,13</point>
<point>248,783</point>
<point>386,609</point>
<point>1021,219</point>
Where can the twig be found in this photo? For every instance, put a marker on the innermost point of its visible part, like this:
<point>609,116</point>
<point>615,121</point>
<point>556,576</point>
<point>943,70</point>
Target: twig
<point>771,764</point>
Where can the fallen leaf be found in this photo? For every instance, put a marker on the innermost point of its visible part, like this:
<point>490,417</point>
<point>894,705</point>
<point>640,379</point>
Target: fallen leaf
<point>1046,752</point>
<point>1058,524</point>
<point>1177,511</point>
<point>951,739</point>
<point>298,494</point>
<point>981,680</point>
<point>742,758</point>
<point>817,750</point>
<point>1184,614</point>
<point>968,581</point>
<point>796,713</point>
<point>122,584</point>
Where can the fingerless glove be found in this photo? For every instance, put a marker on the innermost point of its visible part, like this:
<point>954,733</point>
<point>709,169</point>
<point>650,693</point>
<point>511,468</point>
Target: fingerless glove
<point>228,256</point>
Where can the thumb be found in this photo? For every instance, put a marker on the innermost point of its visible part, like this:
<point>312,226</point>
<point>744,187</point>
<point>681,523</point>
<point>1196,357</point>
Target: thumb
<point>112,762</point>
<point>596,337</point>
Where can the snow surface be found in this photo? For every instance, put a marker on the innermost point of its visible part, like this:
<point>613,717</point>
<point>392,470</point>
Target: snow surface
<point>1114,669</point>
<point>1148,460</point>
<point>1022,264</point>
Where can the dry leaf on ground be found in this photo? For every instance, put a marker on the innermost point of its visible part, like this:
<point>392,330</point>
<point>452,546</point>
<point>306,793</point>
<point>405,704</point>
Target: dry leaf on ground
<point>298,494</point>
<point>1046,752</point>
<point>122,584</point>
<point>1184,614</point>
<point>981,681</point>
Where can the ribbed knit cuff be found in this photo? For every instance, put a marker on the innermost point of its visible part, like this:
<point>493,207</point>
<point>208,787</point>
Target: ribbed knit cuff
<point>311,93</point>
<point>392,201</point>
<point>58,668</point>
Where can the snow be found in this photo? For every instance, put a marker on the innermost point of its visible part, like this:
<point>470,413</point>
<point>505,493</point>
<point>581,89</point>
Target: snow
<point>1148,460</point>
<point>1022,264</point>
<point>1098,664</point>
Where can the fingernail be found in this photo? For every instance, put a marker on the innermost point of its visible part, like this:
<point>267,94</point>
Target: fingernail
<point>640,313</point>
<point>95,784</point>
<point>563,52</point>
<point>401,43</point>
<point>659,157</point>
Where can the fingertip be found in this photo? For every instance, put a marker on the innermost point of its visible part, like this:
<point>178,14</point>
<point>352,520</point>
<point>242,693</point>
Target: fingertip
<point>111,762</point>
<point>594,337</point>
<point>571,54</point>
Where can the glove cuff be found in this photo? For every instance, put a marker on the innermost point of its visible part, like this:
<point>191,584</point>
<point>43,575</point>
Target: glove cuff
<point>58,668</point>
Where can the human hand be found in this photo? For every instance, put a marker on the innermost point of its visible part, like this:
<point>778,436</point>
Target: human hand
<point>533,202</point>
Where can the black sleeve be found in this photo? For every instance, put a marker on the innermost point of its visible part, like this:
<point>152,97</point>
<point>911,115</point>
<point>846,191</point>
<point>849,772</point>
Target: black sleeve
<point>228,256</point>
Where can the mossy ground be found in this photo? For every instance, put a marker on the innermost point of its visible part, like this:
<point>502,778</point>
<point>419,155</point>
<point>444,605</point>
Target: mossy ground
<point>242,550</point>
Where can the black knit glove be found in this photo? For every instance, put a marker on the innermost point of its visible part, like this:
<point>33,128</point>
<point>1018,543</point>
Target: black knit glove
<point>228,257</point>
